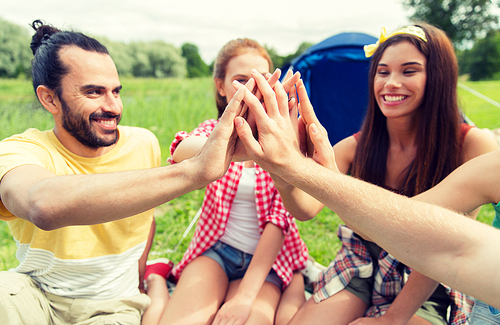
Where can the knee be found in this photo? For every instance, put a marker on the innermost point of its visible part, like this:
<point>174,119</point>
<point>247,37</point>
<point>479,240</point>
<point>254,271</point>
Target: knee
<point>155,280</point>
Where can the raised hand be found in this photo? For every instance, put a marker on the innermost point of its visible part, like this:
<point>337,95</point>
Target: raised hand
<point>290,80</point>
<point>213,160</point>
<point>277,139</point>
<point>313,134</point>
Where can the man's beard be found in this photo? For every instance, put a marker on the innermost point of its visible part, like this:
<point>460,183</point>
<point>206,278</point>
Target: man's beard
<point>82,131</point>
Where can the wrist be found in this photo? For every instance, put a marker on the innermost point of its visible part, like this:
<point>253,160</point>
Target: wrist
<point>193,173</point>
<point>394,318</point>
<point>294,171</point>
<point>289,169</point>
<point>245,296</point>
<point>248,289</point>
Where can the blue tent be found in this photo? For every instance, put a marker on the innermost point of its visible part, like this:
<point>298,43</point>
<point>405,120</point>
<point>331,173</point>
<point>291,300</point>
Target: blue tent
<point>335,73</point>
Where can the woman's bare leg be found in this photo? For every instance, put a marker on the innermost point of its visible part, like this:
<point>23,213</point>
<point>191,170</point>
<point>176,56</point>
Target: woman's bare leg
<point>198,295</point>
<point>341,308</point>
<point>264,306</point>
<point>291,300</point>
<point>158,292</point>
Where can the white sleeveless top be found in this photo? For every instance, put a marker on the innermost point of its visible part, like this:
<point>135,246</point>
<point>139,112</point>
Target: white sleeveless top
<point>242,230</point>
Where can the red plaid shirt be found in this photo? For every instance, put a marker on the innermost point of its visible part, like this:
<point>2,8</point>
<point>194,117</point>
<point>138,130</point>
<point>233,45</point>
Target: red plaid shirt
<point>216,207</point>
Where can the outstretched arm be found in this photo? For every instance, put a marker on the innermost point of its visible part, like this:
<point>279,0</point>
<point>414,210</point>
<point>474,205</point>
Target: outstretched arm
<point>418,288</point>
<point>471,185</point>
<point>300,204</point>
<point>437,242</point>
<point>50,201</point>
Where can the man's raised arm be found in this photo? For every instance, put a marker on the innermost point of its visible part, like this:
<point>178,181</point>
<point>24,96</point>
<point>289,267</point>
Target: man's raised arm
<point>49,201</point>
<point>437,242</point>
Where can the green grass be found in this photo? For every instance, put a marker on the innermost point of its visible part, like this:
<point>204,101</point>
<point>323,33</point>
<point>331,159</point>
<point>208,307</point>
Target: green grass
<point>482,113</point>
<point>170,105</point>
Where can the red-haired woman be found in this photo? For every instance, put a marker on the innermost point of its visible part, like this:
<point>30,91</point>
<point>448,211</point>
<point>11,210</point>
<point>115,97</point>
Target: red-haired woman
<point>246,246</point>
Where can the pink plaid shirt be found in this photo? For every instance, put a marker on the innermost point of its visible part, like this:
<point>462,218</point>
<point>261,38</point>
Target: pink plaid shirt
<point>216,207</point>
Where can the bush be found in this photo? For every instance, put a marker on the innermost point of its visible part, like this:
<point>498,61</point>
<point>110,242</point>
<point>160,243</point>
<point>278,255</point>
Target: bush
<point>196,67</point>
<point>484,57</point>
<point>15,53</point>
<point>157,59</point>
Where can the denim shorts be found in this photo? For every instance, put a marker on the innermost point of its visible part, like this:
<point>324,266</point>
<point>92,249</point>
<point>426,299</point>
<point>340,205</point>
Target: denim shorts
<point>483,314</point>
<point>235,262</point>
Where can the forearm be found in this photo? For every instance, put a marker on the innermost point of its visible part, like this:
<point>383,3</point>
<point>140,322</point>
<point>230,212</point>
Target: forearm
<point>470,186</point>
<point>382,215</point>
<point>415,292</point>
<point>300,204</point>
<point>53,202</point>
<point>238,307</point>
<point>434,241</point>
<point>267,250</point>
<point>304,207</point>
<point>188,148</point>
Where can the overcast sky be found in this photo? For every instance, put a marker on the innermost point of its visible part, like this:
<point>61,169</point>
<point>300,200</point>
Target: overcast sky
<point>209,24</point>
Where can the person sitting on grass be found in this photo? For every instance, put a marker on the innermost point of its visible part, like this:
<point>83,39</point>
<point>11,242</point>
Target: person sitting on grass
<point>442,244</point>
<point>411,139</point>
<point>79,198</point>
<point>246,246</point>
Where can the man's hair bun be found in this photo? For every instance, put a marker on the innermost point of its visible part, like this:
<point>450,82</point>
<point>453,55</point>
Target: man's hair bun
<point>42,34</point>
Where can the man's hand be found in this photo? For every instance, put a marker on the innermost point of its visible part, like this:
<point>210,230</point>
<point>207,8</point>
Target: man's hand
<point>277,142</point>
<point>281,137</point>
<point>289,83</point>
<point>213,160</point>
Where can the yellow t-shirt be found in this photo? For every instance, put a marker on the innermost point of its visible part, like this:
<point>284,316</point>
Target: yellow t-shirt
<point>98,261</point>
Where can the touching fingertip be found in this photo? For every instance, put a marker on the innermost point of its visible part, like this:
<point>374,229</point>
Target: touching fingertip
<point>238,121</point>
<point>313,128</point>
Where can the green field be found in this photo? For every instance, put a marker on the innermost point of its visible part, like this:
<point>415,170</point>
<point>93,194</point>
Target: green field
<point>166,106</point>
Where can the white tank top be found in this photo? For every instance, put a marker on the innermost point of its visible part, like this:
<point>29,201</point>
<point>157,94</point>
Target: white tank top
<point>242,230</point>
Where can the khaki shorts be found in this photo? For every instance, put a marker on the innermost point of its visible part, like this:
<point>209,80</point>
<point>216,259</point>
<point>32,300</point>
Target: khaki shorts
<point>23,302</point>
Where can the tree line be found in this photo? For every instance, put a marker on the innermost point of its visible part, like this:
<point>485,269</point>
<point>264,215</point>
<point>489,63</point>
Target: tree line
<point>467,22</point>
<point>157,59</point>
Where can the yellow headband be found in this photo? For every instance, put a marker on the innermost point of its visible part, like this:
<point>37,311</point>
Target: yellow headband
<point>412,30</point>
